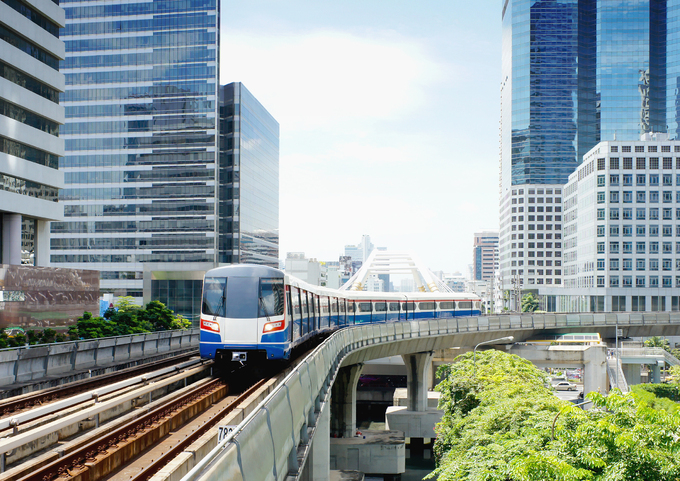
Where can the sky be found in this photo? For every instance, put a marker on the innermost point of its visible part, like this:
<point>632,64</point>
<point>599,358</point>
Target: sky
<point>388,113</point>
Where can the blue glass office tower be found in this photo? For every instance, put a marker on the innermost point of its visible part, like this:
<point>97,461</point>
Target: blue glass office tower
<point>141,139</point>
<point>575,72</point>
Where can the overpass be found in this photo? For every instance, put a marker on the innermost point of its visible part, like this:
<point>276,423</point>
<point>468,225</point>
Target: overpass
<point>288,436</point>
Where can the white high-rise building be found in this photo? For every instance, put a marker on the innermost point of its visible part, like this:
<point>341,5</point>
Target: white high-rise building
<point>622,229</point>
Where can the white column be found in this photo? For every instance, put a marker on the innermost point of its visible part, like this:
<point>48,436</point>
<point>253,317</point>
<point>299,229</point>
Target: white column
<point>42,243</point>
<point>418,376</point>
<point>344,401</point>
<point>595,372</point>
<point>318,467</point>
<point>11,239</point>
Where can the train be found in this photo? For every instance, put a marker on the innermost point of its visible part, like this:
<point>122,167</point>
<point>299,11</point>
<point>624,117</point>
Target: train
<point>254,313</point>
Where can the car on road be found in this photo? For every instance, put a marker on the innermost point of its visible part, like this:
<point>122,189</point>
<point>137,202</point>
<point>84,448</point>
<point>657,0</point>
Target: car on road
<point>565,386</point>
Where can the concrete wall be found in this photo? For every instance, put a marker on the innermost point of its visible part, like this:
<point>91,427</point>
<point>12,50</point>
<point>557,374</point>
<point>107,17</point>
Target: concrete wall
<point>36,362</point>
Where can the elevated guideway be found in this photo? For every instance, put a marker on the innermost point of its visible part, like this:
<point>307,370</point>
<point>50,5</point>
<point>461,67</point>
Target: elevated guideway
<point>288,435</point>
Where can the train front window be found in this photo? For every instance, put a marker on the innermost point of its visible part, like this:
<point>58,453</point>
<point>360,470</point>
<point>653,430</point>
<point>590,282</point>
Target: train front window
<point>213,296</point>
<point>271,297</point>
<point>242,297</point>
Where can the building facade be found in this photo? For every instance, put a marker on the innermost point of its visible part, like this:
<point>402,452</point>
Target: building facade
<point>30,121</point>
<point>140,169</point>
<point>622,230</point>
<point>574,73</point>
<point>484,255</point>
<point>248,195</point>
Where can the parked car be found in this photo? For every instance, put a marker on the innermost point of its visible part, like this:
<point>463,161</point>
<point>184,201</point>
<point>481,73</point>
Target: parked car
<point>565,386</point>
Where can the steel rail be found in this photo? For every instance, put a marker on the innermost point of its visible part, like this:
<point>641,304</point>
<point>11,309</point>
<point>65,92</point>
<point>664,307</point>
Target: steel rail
<point>18,403</point>
<point>76,460</point>
<point>164,459</point>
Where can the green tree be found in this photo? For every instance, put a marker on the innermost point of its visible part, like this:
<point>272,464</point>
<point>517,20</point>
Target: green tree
<point>497,425</point>
<point>656,341</point>
<point>529,303</point>
<point>126,304</point>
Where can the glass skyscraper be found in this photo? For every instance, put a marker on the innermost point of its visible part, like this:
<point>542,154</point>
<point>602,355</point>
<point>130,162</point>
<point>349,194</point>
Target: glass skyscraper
<point>575,72</point>
<point>141,139</point>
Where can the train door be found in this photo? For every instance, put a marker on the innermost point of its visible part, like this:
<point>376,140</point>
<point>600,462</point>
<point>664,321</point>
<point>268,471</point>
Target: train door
<point>446,309</point>
<point>334,312</point>
<point>363,313</point>
<point>289,314</point>
<point>297,314</point>
<point>305,312</point>
<point>350,312</point>
<point>342,304</point>
<point>393,311</point>
<point>312,311</point>
<point>379,311</point>
<point>324,311</point>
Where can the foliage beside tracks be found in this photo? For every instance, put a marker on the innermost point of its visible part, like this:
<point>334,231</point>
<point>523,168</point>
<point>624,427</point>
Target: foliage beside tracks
<point>128,318</point>
<point>497,425</point>
<point>529,303</point>
<point>657,341</point>
<point>661,393</point>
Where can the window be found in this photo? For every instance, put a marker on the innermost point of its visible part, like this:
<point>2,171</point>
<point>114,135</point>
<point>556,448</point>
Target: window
<point>654,231</point>
<point>600,214</point>
<point>640,213</point>
<point>651,148</point>
<point>668,162</point>
<point>613,264</point>
<point>653,281</point>
<point>667,231</point>
<point>640,265</point>
<point>614,148</point>
<point>640,230</point>
<point>614,213</point>
<point>600,231</point>
<point>667,196</point>
<point>627,213</point>
<point>667,281</point>
<point>614,179</point>
<point>614,230</point>
<point>640,197</point>
<point>627,264</point>
<point>600,281</point>
<point>614,163</point>
<point>654,197</point>
<point>628,163</point>
<point>653,247</point>
<point>667,180</point>
<point>654,214</point>
<point>640,247</point>
<point>600,181</point>
<point>614,197</point>
<point>627,179</point>
<point>640,162</point>
<point>654,179</point>
<point>640,148</point>
<point>627,281</point>
<point>613,281</point>
<point>667,264</point>
<point>667,213</point>
<point>627,231</point>
<point>665,148</point>
<point>640,281</point>
<point>613,247</point>
<point>625,148</point>
<point>640,179</point>
<point>653,264</point>
<point>600,198</point>
<point>600,264</point>
<point>627,247</point>
<point>667,248</point>
<point>600,247</point>
<point>600,164</point>
<point>627,196</point>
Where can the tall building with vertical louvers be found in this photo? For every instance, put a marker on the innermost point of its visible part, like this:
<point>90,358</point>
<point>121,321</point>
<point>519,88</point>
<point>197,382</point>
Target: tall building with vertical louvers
<point>574,73</point>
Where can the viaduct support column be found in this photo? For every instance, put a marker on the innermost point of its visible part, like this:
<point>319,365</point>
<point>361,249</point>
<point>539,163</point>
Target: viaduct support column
<point>344,401</point>
<point>318,467</point>
<point>418,374</point>
<point>632,373</point>
<point>595,372</point>
<point>11,239</point>
<point>656,373</point>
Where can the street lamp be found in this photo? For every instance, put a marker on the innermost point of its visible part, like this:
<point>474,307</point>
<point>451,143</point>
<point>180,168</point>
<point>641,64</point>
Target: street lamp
<point>492,341</point>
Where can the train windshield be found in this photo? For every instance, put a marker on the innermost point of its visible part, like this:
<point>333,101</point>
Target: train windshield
<point>242,297</point>
<point>213,296</point>
<point>271,293</point>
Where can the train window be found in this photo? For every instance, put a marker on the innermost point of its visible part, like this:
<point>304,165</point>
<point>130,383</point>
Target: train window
<point>426,306</point>
<point>380,306</point>
<point>464,304</point>
<point>242,300</point>
<point>394,306</point>
<point>446,305</point>
<point>342,306</point>
<point>303,295</point>
<point>350,307</point>
<point>213,296</point>
<point>296,301</point>
<point>404,306</point>
<point>334,305</point>
<point>364,306</point>
<point>324,305</point>
<point>271,297</point>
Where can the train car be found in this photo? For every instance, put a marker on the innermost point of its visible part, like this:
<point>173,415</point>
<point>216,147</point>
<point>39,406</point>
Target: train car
<point>252,313</point>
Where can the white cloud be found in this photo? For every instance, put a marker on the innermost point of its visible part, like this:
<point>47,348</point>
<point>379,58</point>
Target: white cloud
<point>320,79</point>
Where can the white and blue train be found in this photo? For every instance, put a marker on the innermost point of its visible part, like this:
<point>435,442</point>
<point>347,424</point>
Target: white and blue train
<point>252,313</point>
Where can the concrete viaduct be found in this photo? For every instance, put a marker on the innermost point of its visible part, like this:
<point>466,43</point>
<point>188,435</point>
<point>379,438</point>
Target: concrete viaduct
<point>288,436</point>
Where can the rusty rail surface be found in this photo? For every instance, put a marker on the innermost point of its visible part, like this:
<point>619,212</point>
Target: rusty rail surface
<point>12,405</point>
<point>148,472</point>
<point>78,462</point>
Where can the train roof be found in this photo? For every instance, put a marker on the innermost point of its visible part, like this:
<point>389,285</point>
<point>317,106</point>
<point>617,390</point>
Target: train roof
<point>244,270</point>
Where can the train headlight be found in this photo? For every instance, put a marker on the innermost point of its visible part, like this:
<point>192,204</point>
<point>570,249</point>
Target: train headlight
<point>273,327</point>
